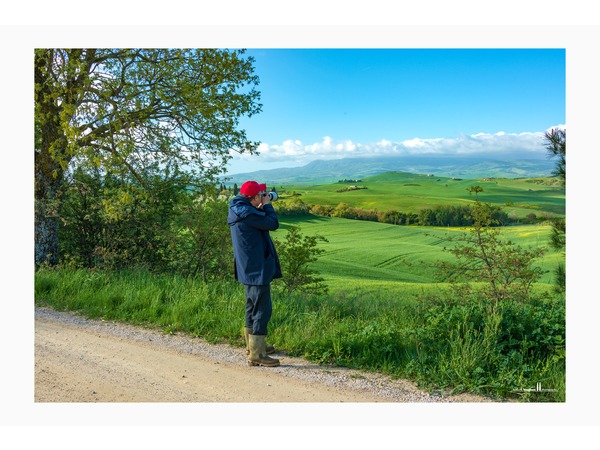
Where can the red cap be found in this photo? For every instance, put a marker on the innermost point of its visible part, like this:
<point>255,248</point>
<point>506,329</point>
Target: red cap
<point>251,188</point>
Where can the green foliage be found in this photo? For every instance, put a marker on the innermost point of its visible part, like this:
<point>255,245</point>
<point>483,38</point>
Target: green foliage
<point>556,140</point>
<point>495,339</point>
<point>351,188</point>
<point>296,254</point>
<point>397,217</point>
<point>165,258</point>
<point>345,211</point>
<point>116,178</point>
<point>558,241</point>
<point>113,223</point>
<point>559,234</point>
<point>291,207</point>
<point>321,210</point>
<point>199,241</point>
<point>556,145</point>
<point>481,256</point>
<point>135,112</point>
<point>174,99</point>
<point>461,344</point>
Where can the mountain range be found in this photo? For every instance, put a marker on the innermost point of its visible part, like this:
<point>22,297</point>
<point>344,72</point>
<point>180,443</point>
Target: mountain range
<point>330,171</point>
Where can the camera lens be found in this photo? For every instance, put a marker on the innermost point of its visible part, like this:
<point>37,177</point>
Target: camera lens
<point>273,196</point>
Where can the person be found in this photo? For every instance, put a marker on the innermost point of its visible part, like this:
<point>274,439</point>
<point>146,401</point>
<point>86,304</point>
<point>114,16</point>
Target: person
<point>250,217</point>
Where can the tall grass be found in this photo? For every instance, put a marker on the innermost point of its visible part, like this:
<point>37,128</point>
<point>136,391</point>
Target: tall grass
<point>172,303</point>
<point>441,341</point>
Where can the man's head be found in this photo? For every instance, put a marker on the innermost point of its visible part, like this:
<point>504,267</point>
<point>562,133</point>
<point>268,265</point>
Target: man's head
<point>255,192</point>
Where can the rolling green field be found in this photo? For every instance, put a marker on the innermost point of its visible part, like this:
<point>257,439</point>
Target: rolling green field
<point>412,192</point>
<point>393,260</point>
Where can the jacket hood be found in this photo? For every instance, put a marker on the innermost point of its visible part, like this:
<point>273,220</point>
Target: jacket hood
<point>240,208</point>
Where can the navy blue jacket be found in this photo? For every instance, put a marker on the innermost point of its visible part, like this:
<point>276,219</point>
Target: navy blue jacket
<point>256,260</point>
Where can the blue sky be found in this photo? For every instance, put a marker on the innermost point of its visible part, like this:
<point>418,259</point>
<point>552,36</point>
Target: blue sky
<point>333,103</point>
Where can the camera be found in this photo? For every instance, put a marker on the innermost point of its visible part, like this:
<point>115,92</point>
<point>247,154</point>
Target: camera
<point>273,196</point>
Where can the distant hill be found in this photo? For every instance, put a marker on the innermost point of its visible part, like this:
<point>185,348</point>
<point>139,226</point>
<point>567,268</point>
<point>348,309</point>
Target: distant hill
<point>328,171</point>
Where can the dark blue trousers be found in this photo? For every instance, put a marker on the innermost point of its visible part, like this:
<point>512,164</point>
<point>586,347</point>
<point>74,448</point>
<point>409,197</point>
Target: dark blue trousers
<point>258,308</point>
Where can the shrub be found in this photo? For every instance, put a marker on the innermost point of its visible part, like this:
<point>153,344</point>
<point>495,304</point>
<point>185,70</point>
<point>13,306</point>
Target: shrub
<point>296,254</point>
<point>460,344</point>
<point>292,207</point>
<point>505,268</point>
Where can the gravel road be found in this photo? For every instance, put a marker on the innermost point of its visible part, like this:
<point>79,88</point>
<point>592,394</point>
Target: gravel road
<point>81,360</point>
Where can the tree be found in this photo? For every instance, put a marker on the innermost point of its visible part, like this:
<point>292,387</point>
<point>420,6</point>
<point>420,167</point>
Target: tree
<point>558,241</point>
<point>131,111</point>
<point>556,140</point>
<point>296,254</point>
<point>556,144</point>
<point>505,268</point>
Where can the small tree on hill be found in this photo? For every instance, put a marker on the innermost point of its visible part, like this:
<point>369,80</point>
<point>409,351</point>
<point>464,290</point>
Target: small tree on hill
<point>481,256</point>
<point>296,254</point>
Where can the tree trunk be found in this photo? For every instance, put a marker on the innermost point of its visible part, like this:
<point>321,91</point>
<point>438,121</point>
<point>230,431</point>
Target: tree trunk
<point>46,237</point>
<point>47,208</point>
<point>49,140</point>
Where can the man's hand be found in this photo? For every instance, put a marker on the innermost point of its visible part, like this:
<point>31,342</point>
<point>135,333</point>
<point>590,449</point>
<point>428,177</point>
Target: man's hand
<point>265,200</point>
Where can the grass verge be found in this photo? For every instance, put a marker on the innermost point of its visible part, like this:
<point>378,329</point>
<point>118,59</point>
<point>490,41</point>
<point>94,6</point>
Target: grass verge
<point>443,341</point>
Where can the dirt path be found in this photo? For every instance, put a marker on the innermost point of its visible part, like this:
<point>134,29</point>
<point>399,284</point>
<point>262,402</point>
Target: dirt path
<point>79,360</point>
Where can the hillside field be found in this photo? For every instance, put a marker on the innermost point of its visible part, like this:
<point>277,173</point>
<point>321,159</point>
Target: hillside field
<point>406,192</point>
<point>380,259</point>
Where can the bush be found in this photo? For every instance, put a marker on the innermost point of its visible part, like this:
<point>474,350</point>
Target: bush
<point>346,211</point>
<point>111,223</point>
<point>461,344</point>
<point>198,241</point>
<point>296,254</point>
<point>322,210</point>
<point>292,207</point>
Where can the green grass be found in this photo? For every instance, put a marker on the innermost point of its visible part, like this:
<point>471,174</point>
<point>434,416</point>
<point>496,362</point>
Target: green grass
<point>172,303</point>
<point>443,344</point>
<point>412,192</point>
<point>398,260</point>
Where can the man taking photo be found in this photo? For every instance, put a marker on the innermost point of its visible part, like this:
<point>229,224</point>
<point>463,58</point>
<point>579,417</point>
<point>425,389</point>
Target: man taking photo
<point>251,217</point>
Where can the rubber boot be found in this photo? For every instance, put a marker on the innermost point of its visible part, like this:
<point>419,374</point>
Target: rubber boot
<point>247,331</point>
<point>258,355</point>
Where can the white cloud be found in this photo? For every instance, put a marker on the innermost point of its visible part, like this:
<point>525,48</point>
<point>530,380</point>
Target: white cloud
<point>294,152</point>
